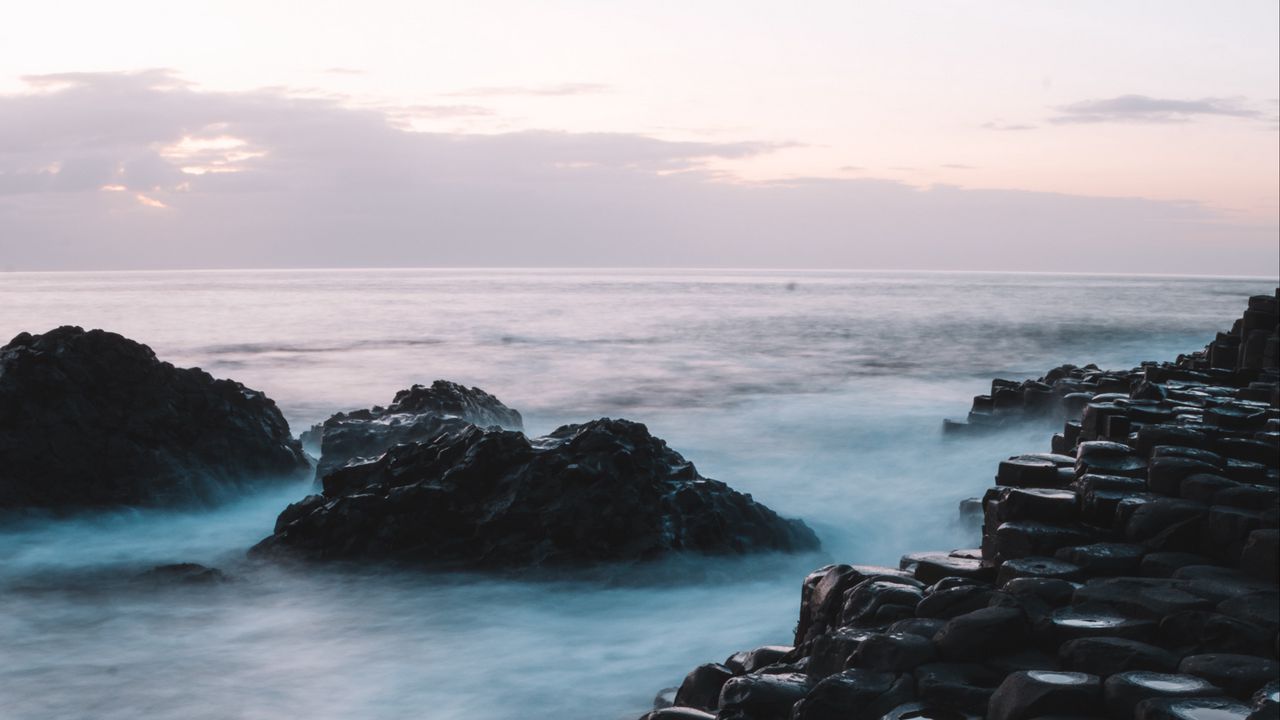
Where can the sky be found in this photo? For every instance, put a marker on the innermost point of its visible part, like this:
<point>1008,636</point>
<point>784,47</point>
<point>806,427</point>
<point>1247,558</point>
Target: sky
<point>998,135</point>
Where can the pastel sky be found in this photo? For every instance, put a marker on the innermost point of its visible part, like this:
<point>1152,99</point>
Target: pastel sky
<point>1117,136</point>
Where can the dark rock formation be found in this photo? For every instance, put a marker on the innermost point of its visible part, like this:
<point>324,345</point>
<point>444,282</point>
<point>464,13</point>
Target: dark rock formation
<point>603,491</point>
<point>92,418</point>
<point>1131,572</point>
<point>415,415</point>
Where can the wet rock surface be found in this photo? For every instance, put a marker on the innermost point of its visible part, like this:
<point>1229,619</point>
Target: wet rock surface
<point>91,418</point>
<point>415,415</point>
<point>602,491</point>
<point>1129,573</point>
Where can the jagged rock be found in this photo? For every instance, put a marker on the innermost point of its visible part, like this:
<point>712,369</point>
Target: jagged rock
<point>93,418</point>
<point>415,415</point>
<point>1260,555</point>
<point>1141,597</point>
<point>829,653</point>
<point>1098,621</point>
<point>603,491</point>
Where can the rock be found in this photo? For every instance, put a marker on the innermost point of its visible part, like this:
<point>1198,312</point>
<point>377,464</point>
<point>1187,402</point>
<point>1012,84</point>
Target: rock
<point>1165,564</point>
<point>1035,693</point>
<point>415,415</point>
<point>749,661</point>
<point>1025,539</point>
<point>960,686</point>
<point>892,653</point>
<point>829,653</point>
<point>926,711</point>
<point>678,713</point>
<point>1099,621</point>
<point>1204,487</point>
<point>182,574</point>
<point>925,627</point>
<point>1101,457</point>
<point>982,633</point>
<point>1226,530</point>
<point>1141,597</point>
<point>603,491</point>
<point>1254,608</point>
<point>1240,675</point>
<point>854,693</point>
<point>665,698</point>
<point>701,687</point>
<point>1260,555</point>
<point>1175,708</point>
<point>822,596</point>
<point>1104,558</point>
<point>1053,592</point>
<point>1266,702</point>
<point>1165,474</point>
<point>762,697</point>
<point>1051,506</point>
<point>931,567</point>
<point>876,602</point>
<point>1038,567</point>
<point>1108,656</point>
<point>949,603</point>
<point>93,419</point>
<point>1123,691</point>
<point>1152,518</point>
<point>1197,632</point>
<point>1028,472</point>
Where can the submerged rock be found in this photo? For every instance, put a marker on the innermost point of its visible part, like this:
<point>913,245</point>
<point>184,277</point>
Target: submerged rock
<point>91,418</point>
<point>415,415</point>
<point>602,491</point>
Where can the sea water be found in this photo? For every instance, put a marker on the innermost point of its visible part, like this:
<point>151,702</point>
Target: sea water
<point>821,393</point>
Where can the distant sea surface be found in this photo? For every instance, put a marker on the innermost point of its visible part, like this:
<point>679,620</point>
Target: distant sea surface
<point>821,393</point>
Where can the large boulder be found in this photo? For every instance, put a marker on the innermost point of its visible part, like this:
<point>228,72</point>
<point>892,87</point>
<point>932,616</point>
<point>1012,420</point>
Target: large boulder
<point>415,415</point>
<point>93,418</point>
<point>601,491</point>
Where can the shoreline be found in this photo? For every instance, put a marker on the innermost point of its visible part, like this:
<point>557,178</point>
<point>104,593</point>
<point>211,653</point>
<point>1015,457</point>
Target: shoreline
<point>1144,543</point>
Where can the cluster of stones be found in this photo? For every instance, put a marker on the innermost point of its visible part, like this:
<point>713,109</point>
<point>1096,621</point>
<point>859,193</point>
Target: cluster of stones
<point>1251,346</point>
<point>440,478</point>
<point>1130,572</point>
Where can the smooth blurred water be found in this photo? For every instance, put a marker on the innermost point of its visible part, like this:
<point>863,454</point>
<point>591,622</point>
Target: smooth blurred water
<point>822,393</point>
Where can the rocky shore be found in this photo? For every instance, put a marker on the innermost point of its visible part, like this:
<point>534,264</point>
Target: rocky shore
<point>1131,571</point>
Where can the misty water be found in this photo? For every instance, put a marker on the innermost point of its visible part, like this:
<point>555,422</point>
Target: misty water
<point>821,393</point>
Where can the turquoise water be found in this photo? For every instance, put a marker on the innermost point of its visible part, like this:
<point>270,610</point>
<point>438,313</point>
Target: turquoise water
<point>821,393</point>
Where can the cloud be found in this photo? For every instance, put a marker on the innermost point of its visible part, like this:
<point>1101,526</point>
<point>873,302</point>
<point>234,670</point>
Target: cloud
<point>851,168</point>
<point>1143,109</point>
<point>995,125</point>
<point>958,166</point>
<point>140,170</point>
<point>534,90</point>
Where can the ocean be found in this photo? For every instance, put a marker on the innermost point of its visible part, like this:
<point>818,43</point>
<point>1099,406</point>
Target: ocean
<point>821,393</point>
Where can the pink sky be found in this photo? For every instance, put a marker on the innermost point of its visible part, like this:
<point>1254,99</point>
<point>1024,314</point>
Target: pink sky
<point>725,133</point>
